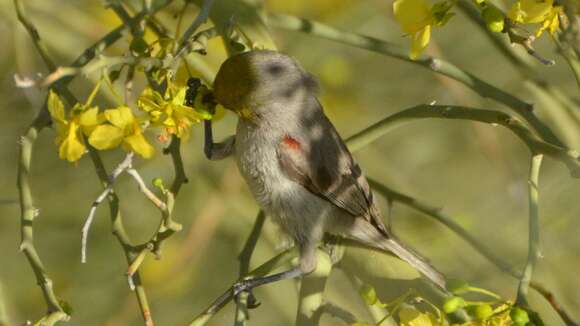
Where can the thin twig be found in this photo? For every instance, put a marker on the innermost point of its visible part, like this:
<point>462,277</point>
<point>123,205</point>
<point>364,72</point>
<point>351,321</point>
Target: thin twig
<point>97,65</point>
<point>125,164</point>
<point>190,31</point>
<point>484,89</point>
<point>146,191</point>
<point>534,231</point>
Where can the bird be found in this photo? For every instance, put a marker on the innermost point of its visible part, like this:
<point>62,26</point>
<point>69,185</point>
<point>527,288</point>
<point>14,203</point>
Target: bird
<point>297,167</point>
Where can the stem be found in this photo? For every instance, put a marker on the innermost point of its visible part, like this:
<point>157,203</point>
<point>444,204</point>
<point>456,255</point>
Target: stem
<point>175,152</point>
<point>484,89</point>
<point>534,230</point>
<point>55,312</point>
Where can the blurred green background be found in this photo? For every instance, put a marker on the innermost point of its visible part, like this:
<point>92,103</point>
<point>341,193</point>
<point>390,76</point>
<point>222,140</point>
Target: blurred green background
<point>476,172</point>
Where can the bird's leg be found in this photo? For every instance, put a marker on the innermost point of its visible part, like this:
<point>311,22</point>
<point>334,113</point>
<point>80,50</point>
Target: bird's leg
<point>308,262</point>
<point>249,284</point>
<point>216,151</point>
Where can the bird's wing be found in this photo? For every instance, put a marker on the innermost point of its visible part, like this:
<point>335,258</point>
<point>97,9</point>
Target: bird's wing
<point>323,165</point>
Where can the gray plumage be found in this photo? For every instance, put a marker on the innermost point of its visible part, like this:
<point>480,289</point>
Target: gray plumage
<point>294,161</point>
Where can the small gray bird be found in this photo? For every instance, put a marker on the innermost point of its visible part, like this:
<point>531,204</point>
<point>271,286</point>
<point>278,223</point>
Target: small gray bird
<point>297,166</point>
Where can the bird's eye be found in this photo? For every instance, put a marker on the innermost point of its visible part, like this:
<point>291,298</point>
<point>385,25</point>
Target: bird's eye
<point>275,69</point>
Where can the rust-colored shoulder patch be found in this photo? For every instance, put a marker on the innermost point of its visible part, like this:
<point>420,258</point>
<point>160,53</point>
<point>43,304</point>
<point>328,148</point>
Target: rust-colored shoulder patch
<point>291,142</point>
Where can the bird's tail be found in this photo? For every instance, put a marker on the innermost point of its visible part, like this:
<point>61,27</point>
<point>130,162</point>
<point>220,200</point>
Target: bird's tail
<point>395,246</point>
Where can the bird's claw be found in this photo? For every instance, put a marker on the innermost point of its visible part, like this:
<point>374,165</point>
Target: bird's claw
<point>244,287</point>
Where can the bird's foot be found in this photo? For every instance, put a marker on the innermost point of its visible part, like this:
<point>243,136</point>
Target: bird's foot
<point>243,291</point>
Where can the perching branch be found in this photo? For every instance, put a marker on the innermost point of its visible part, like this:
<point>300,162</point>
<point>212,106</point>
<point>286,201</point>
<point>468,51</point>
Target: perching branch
<point>536,145</point>
<point>534,231</point>
<point>484,89</point>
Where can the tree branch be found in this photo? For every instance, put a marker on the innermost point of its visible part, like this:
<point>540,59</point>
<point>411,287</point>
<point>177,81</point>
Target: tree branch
<point>569,157</point>
<point>534,231</point>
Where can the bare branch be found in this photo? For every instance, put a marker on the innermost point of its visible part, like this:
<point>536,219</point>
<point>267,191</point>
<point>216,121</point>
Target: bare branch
<point>125,164</point>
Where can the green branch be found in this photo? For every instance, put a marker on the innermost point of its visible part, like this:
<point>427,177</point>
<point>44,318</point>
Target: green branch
<point>569,157</point>
<point>55,311</point>
<point>534,231</point>
<point>484,89</point>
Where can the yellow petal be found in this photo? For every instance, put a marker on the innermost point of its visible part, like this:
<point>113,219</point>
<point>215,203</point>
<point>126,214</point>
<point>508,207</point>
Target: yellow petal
<point>179,98</point>
<point>121,117</point>
<point>413,15</point>
<point>138,144</point>
<point>71,149</point>
<point>55,107</point>
<point>530,11</point>
<point>89,119</point>
<point>106,137</point>
<point>149,100</point>
<point>420,42</point>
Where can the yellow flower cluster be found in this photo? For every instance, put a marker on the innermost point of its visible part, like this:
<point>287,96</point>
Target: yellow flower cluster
<point>119,126</point>
<point>417,17</point>
<point>542,12</point>
<point>170,112</point>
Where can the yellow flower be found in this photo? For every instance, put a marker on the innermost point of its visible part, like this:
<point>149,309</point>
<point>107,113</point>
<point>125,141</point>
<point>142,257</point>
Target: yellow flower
<point>417,18</point>
<point>169,111</point>
<point>530,11</point>
<point>70,128</point>
<point>551,22</point>
<point>536,11</point>
<point>122,127</point>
